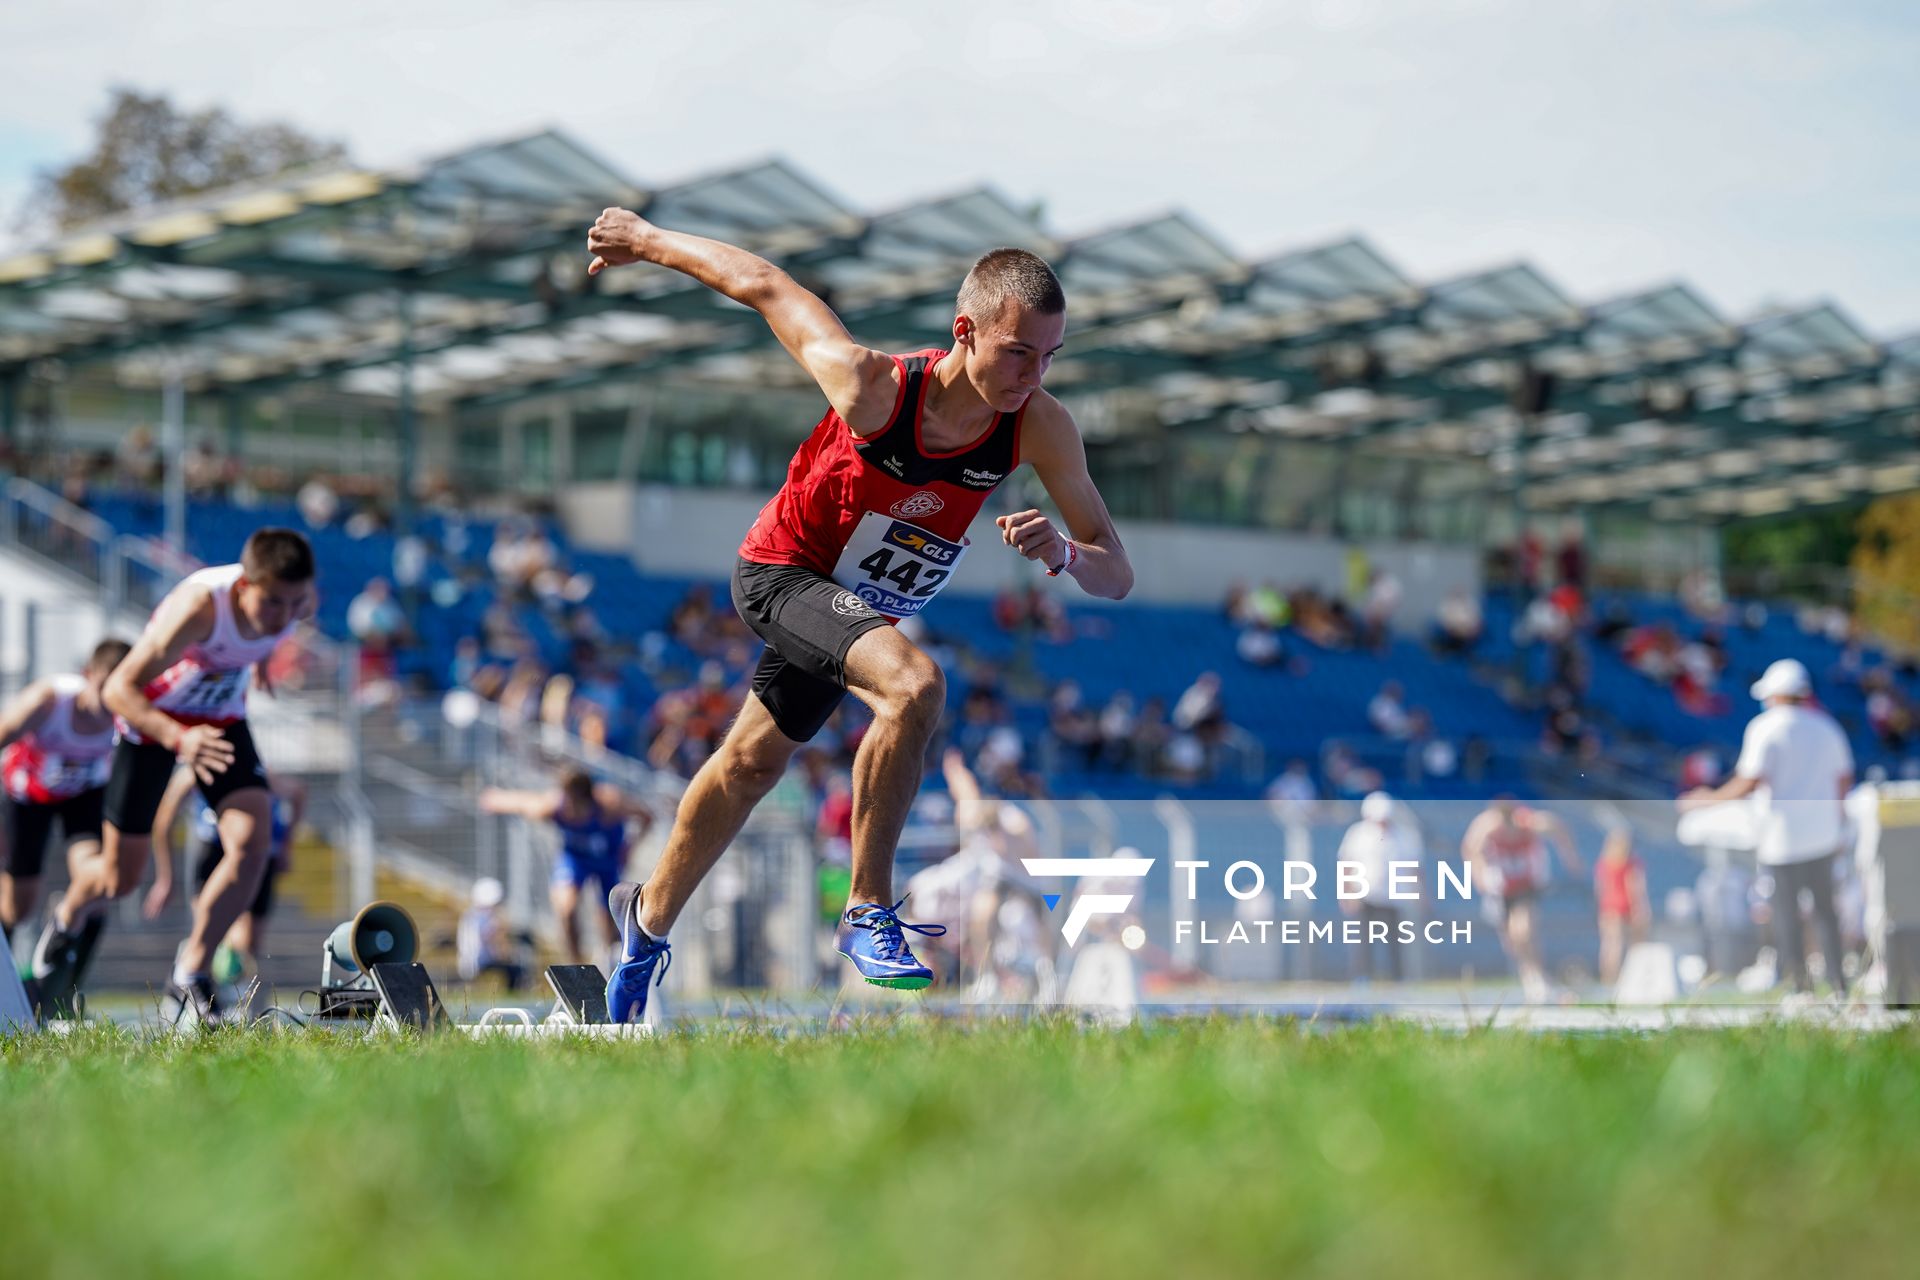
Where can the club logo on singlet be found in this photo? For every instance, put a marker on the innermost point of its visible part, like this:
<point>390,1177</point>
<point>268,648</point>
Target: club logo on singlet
<point>851,605</point>
<point>913,506</point>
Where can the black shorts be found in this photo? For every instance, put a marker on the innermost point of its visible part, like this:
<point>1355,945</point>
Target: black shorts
<point>206,857</point>
<point>141,771</point>
<point>1522,897</point>
<point>30,828</point>
<point>809,621</point>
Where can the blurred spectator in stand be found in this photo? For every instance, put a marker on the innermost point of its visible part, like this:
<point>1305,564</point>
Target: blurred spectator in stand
<point>1201,707</point>
<point>1073,725</point>
<point>137,459</point>
<point>1116,730</point>
<point>375,617</point>
<point>1888,715</point>
<point>1387,712</point>
<point>463,670</point>
<point>380,625</point>
<point>1151,734</point>
<point>1346,774</point>
<point>1429,755</point>
<point>1572,561</point>
<point>1458,624</point>
<point>1377,610</point>
<point>206,473</point>
<point>319,505</point>
<point>1259,646</point>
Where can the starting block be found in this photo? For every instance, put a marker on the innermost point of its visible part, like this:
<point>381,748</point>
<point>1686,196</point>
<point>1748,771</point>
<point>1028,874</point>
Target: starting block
<point>580,992</point>
<point>408,998</point>
<point>16,1010</point>
<point>579,1009</point>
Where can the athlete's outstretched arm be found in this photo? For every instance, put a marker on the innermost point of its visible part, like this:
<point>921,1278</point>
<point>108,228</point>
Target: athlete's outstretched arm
<point>164,817</point>
<point>183,619</point>
<point>859,383</point>
<point>25,713</point>
<point>1051,442</point>
<point>537,805</point>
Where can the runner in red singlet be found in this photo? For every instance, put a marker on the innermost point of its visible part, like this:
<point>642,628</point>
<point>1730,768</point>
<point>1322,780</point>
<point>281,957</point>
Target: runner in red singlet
<point>870,525</point>
<point>1506,846</point>
<point>181,694</point>
<point>55,738</point>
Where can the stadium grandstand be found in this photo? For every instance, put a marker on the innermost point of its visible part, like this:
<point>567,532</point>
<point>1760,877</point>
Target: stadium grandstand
<point>1449,539</point>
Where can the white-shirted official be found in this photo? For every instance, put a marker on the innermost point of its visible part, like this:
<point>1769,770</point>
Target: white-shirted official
<point>1375,843</point>
<point>1797,766</point>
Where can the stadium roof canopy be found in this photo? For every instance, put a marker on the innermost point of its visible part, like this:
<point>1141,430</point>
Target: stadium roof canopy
<point>463,282</point>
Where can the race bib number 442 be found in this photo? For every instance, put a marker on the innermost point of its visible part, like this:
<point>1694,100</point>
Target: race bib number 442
<point>896,567</point>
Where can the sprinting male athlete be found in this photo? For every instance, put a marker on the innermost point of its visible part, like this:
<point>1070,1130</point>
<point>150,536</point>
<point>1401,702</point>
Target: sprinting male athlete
<point>181,695</point>
<point>869,526</point>
<point>592,821</point>
<point>1506,848</point>
<point>55,739</point>
<point>246,942</point>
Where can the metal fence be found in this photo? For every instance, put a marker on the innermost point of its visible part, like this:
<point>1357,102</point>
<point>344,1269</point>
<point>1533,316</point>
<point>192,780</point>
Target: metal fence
<point>395,787</point>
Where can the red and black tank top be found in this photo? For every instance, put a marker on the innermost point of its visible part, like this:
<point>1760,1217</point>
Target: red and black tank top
<point>838,480</point>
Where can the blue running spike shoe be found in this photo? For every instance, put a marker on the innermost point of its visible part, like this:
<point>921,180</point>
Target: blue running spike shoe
<point>874,938</point>
<point>643,962</point>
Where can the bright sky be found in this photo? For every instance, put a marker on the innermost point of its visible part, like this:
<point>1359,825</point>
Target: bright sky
<point>1765,152</point>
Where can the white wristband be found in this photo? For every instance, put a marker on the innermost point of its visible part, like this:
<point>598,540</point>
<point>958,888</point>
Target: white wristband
<point>1073,554</point>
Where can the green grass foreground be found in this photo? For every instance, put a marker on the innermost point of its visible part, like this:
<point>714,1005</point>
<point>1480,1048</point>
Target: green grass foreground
<point>1203,1149</point>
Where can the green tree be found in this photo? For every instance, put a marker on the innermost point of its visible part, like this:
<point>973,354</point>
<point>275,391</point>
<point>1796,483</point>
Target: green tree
<point>147,150</point>
<point>1886,569</point>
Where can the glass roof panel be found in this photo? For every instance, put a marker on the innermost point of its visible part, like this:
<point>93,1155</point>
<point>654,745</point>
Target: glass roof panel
<point>1817,333</point>
<point>1503,295</point>
<point>764,198</point>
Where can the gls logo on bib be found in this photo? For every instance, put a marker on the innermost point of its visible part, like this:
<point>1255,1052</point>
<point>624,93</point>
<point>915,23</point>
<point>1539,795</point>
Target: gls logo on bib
<point>912,507</point>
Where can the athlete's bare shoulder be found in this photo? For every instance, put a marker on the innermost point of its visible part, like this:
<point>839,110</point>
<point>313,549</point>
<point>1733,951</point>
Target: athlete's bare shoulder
<point>875,380</point>
<point>1046,426</point>
<point>186,614</point>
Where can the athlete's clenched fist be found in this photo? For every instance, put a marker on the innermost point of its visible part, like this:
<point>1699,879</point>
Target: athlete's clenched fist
<point>614,240</point>
<point>1033,536</point>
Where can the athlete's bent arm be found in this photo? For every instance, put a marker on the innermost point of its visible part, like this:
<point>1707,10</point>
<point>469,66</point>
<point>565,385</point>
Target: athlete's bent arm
<point>175,795</point>
<point>26,712</point>
<point>181,621</point>
<point>1051,442</point>
<point>860,383</point>
<point>540,806</point>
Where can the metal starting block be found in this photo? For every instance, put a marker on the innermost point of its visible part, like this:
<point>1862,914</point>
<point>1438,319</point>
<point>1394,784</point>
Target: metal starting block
<point>581,994</point>
<point>16,1010</point>
<point>408,998</point>
<point>579,1009</point>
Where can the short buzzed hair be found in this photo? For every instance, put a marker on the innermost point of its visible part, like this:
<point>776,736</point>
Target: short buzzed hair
<point>107,655</point>
<point>1009,273</point>
<point>277,555</point>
